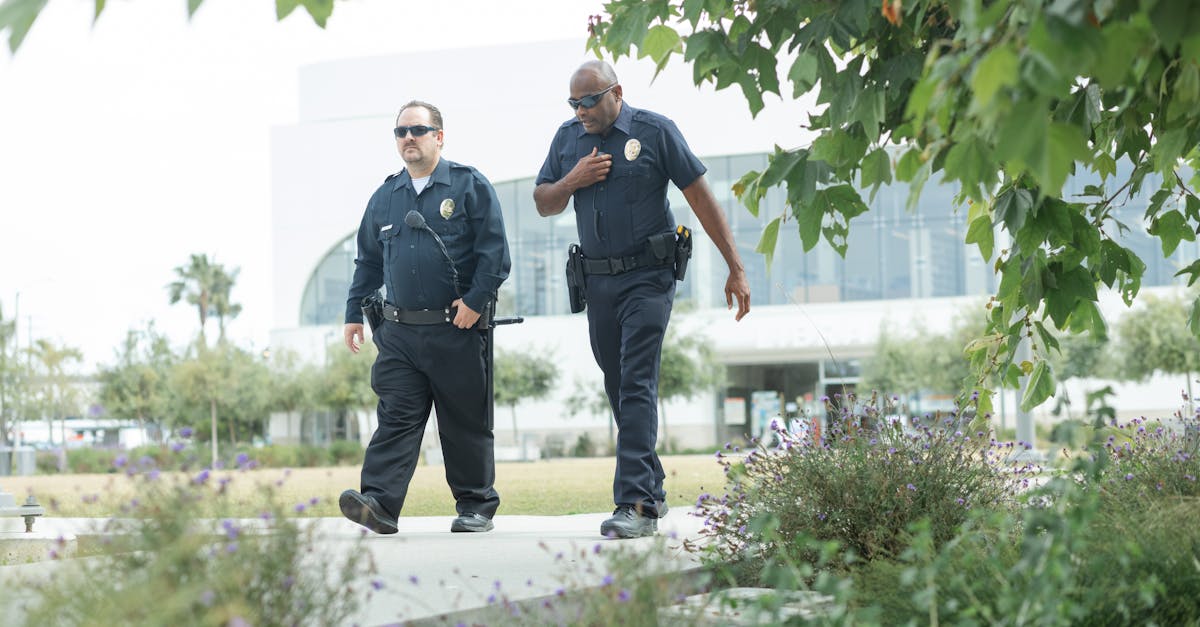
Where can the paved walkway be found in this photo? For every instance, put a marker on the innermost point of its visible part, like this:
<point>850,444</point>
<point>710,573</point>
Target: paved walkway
<point>430,575</point>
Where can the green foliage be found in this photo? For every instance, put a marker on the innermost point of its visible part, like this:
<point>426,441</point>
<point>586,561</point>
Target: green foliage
<point>860,486</point>
<point>1005,100</point>
<point>169,560</point>
<point>11,375</point>
<point>522,375</point>
<point>89,460</point>
<point>923,360</point>
<point>220,392</point>
<point>687,367</point>
<point>50,390</point>
<point>1153,338</point>
<point>136,386</point>
<point>345,384</point>
<point>17,16</point>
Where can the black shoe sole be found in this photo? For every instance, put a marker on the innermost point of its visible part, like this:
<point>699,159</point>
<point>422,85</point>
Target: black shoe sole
<point>355,508</point>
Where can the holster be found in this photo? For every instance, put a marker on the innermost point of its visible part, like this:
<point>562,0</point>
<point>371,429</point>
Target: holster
<point>576,282</point>
<point>683,250</point>
<point>372,310</point>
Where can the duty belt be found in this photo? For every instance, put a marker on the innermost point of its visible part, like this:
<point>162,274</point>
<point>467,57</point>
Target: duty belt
<point>418,316</point>
<point>620,265</point>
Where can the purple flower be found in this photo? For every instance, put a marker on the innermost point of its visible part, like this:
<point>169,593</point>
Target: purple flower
<point>911,487</point>
<point>1129,476</point>
<point>177,447</point>
<point>377,584</point>
<point>413,580</point>
<point>607,581</point>
<point>120,461</point>
<point>623,596</point>
<point>232,547</point>
<point>185,432</point>
<point>299,508</point>
<point>237,621</point>
<point>202,478</point>
<point>242,458</point>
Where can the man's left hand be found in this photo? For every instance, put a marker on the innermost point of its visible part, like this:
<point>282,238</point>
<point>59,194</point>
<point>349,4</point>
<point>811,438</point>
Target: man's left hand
<point>467,317</point>
<point>736,286</point>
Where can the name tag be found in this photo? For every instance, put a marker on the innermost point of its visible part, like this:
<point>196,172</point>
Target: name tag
<point>385,228</point>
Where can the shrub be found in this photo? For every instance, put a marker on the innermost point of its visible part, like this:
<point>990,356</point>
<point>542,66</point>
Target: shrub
<point>584,446</point>
<point>345,453</point>
<point>861,485</point>
<point>1151,457</point>
<point>91,460</point>
<point>173,557</point>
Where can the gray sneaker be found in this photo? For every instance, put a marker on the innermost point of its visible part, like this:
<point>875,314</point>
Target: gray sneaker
<point>471,522</point>
<point>627,522</point>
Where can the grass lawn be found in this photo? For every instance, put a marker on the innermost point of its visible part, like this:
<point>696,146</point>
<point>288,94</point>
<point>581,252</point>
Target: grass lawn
<point>548,487</point>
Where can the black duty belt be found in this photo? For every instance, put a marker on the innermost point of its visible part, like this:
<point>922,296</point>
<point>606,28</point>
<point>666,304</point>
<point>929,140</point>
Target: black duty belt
<point>619,265</point>
<point>418,316</point>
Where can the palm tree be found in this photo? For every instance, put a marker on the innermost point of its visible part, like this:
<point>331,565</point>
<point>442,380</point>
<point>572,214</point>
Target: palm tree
<point>207,285</point>
<point>221,307</point>
<point>57,394</point>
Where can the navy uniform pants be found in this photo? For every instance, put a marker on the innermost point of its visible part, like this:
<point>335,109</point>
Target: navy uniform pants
<point>419,367</point>
<point>627,319</point>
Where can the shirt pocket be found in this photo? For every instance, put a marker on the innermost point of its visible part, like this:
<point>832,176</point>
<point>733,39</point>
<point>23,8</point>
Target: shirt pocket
<point>627,181</point>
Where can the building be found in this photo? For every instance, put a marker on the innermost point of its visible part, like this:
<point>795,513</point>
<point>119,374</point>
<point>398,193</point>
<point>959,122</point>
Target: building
<point>815,315</point>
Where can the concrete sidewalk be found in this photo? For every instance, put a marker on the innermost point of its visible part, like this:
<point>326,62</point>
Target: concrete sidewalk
<point>426,574</point>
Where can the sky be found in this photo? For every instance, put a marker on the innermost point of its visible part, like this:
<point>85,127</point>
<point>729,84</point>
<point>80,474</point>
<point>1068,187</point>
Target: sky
<point>129,144</point>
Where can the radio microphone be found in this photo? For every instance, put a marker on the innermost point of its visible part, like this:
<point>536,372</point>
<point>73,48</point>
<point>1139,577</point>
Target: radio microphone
<point>414,220</point>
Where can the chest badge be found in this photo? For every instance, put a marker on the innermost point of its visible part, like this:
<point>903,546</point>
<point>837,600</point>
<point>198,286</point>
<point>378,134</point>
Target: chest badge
<point>447,208</point>
<point>633,148</point>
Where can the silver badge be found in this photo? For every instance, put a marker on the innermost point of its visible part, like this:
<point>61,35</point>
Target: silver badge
<point>447,208</point>
<point>633,148</point>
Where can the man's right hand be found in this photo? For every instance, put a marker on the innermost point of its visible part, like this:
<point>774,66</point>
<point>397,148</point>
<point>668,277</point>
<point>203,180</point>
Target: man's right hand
<point>590,170</point>
<point>354,336</point>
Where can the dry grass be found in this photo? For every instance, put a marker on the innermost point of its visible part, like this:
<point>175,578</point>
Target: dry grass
<point>549,487</point>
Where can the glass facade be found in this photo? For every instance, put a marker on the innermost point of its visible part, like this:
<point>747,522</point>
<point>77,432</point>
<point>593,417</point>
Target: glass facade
<point>893,252</point>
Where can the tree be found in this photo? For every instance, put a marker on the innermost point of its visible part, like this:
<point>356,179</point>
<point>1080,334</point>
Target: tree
<point>346,383</point>
<point>196,284</point>
<point>222,306</point>
<point>228,384</point>
<point>9,374</point>
<point>686,369</point>
<point>519,376</point>
<point>52,387</point>
<point>1004,99</point>
<point>17,16</point>
<point>1152,338</point>
<point>136,386</point>
<point>589,398</point>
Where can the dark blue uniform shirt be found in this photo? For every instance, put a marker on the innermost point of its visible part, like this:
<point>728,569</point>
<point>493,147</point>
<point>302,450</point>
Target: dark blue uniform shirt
<point>618,214</point>
<point>459,204</point>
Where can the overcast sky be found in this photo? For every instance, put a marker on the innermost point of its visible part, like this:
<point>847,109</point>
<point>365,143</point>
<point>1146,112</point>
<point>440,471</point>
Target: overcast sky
<point>128,145</point>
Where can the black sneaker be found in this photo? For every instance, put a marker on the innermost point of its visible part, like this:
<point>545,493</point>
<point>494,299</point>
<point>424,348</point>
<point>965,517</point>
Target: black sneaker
<point>626,522</point>
<point>471,521</point>
<point>366,511</point>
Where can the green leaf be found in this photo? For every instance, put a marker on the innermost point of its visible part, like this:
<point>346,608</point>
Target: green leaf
<point>780,166</point>
<point>1104,165</point>
<point>17,16</point>
<point>908,165</point>
<point>1039,387</point>
<point>99,10</point>
<point>1171,227</point>
<point>1192,271</point>
<point>803,73</point>
<point>997,69</point>
<point>766,243</point>
<point>1168,149</point>
<point>839,148</point>
<point>980,232</point>
<point>284,8</point>
<point>808,222</point>
<point>869,111</point>
<point>320,10</point>
<point>661,40</point>
<point>747,190</point>
<point>192,6</point>
<point>875,170</point>
<point>970,162</point>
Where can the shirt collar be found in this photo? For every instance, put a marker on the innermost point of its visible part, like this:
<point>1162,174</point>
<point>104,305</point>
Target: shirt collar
<point>440,174</point>
<point>622,123</point>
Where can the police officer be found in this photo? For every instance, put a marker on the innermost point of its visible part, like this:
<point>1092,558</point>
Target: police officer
<point>433,238</point>
<point>616,161</point>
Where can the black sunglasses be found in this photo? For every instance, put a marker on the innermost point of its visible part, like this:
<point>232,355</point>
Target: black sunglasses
<point>417,131</point>
<point>590,100</point>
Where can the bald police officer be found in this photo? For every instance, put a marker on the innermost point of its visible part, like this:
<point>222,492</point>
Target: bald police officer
<point>616,161</point>
<point>433,238</point>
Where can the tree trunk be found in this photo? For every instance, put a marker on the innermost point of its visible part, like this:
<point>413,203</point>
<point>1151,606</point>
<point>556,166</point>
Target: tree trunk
<point>232,434</point>
<point>212,405</point>
<point>513,409</point>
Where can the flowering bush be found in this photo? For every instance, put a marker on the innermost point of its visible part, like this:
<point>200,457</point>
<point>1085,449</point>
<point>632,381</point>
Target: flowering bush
<point>1152,458</point>
<point>861,484</point>
<point>172,557</point>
